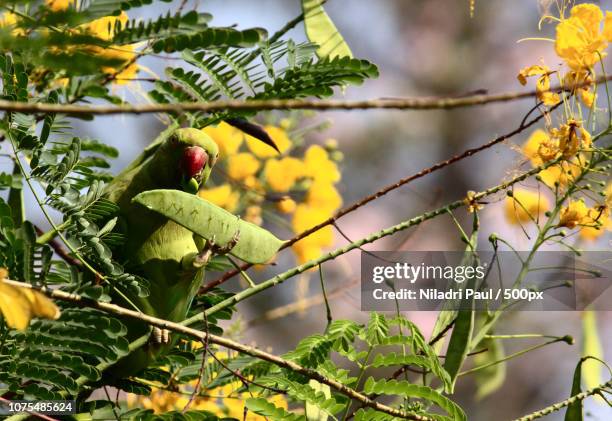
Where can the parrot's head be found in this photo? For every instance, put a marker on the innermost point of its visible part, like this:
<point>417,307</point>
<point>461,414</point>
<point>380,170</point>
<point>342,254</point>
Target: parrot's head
<point>197,153</point>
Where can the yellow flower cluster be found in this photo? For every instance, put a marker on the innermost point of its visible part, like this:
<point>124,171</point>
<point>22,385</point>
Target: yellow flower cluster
<point>223,401</point>
<point>101,28</point>
<point>566,142</point>
<point>581,42</point>
<point>592,221</point>
<point>301,186</point>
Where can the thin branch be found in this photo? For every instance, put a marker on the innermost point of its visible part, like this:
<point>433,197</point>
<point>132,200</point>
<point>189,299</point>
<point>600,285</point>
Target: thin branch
<point>416,103</point>
<point>218,340</point>
<point>356,205</point>
<point>282,277</point>
<point>557,406</point>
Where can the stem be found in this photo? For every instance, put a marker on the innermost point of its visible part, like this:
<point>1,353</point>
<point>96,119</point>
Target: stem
<point>278,279</point>
<point>362,370</point>
<point>557,406</point>
<point>218,340</point>
<point>509,357</point>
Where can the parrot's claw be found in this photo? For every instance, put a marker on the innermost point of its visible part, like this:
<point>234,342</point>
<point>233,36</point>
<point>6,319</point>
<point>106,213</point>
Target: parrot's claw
<point>218,250</point>
<point>213,249</point>
<point>160,336</point>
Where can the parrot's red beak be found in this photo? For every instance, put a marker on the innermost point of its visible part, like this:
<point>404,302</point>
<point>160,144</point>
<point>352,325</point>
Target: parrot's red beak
<point>193,161</point>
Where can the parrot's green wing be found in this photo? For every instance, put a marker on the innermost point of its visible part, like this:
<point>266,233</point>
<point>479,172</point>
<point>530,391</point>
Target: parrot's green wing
<point>255,244</point>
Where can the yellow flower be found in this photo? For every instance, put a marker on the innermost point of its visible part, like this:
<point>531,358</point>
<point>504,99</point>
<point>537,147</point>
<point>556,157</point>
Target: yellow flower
<point>575,213</point>
<point>59,5</point>
<point>19,305</point>
<point>562,173</point>
<point>222,196</point>
<point>571,138</point>
<point>282,174</point>
<point>323,196</point>
<point>104,28</point>
<point>580,82</point>
<point>286,205</point>
<point>227,137</point>
<point>540,148</point>
<point>261,150</point>
<point>596,223</point>
<point>242,165</point>
<point>319,166</point>
<point>542,83</point>
<point>525,205</point>
<point>253,215</point>
<point>579,40</point>
<point>471,202</point>
<point>599,218</point>
<point>310,247</point>
<point>127,69</point>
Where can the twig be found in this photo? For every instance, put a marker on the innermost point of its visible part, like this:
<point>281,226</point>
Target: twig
<point>228,343</point>
<point>282,277</point>
<point>443,332</point>
<point>294,307</point>
<point>196,389</point>
<point>356,205</point>
<point>416,103</point>
<point>557,406</point>
<point>327,308</point>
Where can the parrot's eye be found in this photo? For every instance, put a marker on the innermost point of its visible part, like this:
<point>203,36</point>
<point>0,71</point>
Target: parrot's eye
<point>193,161</point>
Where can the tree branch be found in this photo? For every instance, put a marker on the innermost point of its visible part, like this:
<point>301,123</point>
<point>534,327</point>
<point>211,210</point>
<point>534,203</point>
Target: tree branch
<point>227,343</point>
<point>282,277</point>
<point>356,205</point>
<point>415,103</point>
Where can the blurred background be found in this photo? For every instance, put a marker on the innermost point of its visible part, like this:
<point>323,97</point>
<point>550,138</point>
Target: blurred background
<point>422,47</point>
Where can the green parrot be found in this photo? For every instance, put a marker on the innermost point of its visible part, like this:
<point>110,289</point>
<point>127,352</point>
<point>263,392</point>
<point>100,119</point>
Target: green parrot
<point>157,248</point>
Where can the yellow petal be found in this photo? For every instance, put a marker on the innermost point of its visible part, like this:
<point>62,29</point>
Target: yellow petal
<point>41,305</point>
<point>261,150</point>
<point>589,14</point>
<point>14,306</point>
<point>607,29</point>
<point>227,137</point>
<point>242,165</point>
<point>525,205</point>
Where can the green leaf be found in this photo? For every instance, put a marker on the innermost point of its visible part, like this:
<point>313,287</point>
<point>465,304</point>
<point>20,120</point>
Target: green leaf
<point>304,393</point>
<point>377,329</point>
<point>591,347</point>
<point>210,38</point>
<point>490,378</point>
<point>15,197</point>
<point>313,413</point>
<point>574,410</point>
<point>428,362</point>
<point>263,407</point>
<point>321,30</point>
<point>459,344</point>
<point>408,390</point>
<point>255,244</point>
